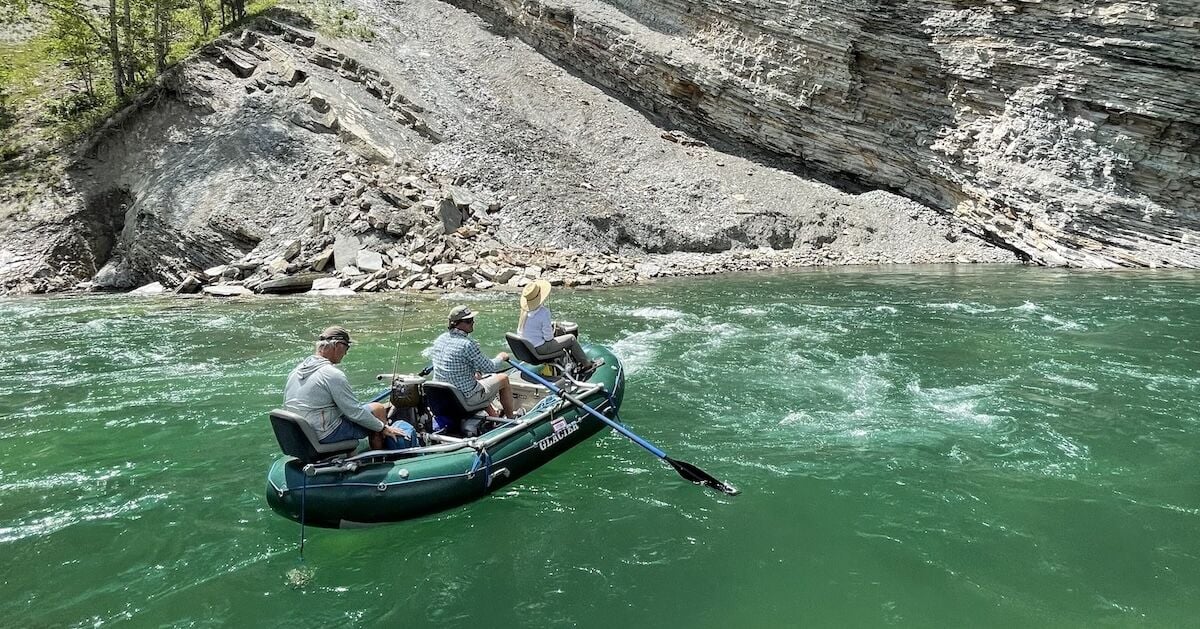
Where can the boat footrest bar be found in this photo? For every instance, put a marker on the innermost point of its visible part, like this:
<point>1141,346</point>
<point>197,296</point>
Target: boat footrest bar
<point>444,438</point>
<point>314,470</point>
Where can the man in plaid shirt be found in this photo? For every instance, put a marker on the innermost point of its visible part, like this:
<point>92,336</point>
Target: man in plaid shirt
<point>458,360</point>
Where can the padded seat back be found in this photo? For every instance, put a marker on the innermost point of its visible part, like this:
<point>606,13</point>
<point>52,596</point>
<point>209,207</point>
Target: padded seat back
<point>296,438</point>
<point>525,352</point>
<point>446,400</point>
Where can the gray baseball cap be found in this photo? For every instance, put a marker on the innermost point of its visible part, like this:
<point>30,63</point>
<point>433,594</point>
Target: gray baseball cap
<point>460,313</point>
<point>335,333</point>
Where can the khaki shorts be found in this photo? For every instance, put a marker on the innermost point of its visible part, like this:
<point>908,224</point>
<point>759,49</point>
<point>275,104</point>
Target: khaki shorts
<point>488,389</point>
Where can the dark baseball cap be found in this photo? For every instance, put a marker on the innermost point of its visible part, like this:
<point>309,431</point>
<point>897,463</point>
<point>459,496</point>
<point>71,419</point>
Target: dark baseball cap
<point>335,333</point>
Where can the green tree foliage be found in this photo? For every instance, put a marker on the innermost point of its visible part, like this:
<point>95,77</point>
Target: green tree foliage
<point>113,48</point>
<point>74,26</point>
<point>81,49</point>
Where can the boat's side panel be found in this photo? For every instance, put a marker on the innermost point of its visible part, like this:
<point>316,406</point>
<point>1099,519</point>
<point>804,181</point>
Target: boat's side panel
<point>369,496</point>
<point>539,445</point>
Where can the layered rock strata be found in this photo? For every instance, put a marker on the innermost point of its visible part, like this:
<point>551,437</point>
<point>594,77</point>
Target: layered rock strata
<point>274,162</point>
<point>1067,129</point>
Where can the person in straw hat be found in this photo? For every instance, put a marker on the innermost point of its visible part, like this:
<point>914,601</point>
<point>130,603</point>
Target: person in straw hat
<point>458,360</point>
<point>535,326</point>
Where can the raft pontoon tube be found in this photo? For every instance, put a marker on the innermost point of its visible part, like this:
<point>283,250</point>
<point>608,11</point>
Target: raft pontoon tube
<point>323,485</point>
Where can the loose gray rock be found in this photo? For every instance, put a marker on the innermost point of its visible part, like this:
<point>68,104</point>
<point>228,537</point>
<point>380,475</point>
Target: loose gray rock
<point>321,261</point>
<point>451,215</point>
<point>291,250</point>
<point>326,283</point>
<point>190,285</point>
<point>286,285</point>
<point>226,290</point>
<point>153,288</point>
<point>345,251</point>
<point>332,292</point>
<point>369,261</point>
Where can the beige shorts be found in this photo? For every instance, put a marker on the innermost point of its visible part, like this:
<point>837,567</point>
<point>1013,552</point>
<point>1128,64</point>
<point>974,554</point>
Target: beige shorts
<point>489,387</point>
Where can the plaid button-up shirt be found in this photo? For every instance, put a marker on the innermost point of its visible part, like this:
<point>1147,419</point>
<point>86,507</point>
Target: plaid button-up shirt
<point>456,359</point>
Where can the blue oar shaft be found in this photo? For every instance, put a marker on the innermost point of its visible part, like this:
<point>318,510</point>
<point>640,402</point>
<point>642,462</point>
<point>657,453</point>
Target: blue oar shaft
<point>588,409</point>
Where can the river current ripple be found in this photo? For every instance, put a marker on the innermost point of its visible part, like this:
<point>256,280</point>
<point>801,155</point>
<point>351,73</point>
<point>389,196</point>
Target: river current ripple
<point>924,446</point>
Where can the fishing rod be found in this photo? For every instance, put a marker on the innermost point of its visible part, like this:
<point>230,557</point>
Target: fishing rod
<point>400,335</point>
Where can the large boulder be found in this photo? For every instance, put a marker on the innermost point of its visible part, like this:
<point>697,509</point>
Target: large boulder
<point>153,288</point>
<point>326,283</point>
<point>345,251</point>
<point>451,215</point>
<point>369,261</point>
<point>227,290</point>
<point>285,285</point>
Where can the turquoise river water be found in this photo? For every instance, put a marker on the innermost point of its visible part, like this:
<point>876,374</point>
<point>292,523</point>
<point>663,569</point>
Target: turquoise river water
<point>964,447</point>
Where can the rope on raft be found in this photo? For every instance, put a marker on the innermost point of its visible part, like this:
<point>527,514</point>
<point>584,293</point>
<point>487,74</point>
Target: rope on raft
<point>484,457</point>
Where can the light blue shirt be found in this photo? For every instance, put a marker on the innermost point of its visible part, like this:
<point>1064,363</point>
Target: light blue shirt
<point>538,328</point>
<point>456,358</point>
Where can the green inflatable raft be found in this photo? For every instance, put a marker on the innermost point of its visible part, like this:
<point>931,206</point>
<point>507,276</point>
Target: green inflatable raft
<point>329,486</point>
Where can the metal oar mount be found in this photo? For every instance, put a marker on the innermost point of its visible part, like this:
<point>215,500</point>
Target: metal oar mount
<point>686,470</point>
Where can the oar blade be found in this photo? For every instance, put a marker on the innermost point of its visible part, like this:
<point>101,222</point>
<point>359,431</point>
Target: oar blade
<point>686,470</point>
<point>696,475</point>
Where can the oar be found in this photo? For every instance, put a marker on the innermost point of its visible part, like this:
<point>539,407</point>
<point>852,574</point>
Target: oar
<point>686,470</point>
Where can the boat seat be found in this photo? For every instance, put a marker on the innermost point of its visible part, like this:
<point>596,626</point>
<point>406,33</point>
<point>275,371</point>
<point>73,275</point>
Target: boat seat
<point>527,353</point>
<point>297,438</point>
<point>446,400</point>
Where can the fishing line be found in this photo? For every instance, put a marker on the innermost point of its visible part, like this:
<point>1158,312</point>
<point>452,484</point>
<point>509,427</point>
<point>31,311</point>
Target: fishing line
<point>399,337</point>
<point>303,496</point>
<point>301,575</point>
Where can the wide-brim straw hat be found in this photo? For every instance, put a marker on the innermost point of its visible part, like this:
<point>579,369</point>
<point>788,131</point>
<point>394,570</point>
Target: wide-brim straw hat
<point>535,294</point>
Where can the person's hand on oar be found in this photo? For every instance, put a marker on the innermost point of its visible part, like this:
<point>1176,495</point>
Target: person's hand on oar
<point>686,470</point>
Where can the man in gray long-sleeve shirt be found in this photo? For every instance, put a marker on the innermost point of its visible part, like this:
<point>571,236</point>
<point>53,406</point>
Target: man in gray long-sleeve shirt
<point>319,392</point>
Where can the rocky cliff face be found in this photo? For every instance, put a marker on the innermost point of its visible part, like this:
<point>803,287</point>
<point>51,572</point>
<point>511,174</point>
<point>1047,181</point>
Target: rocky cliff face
<point>261,139</point>
<point>439,156</point>
<point>1069,130</point>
